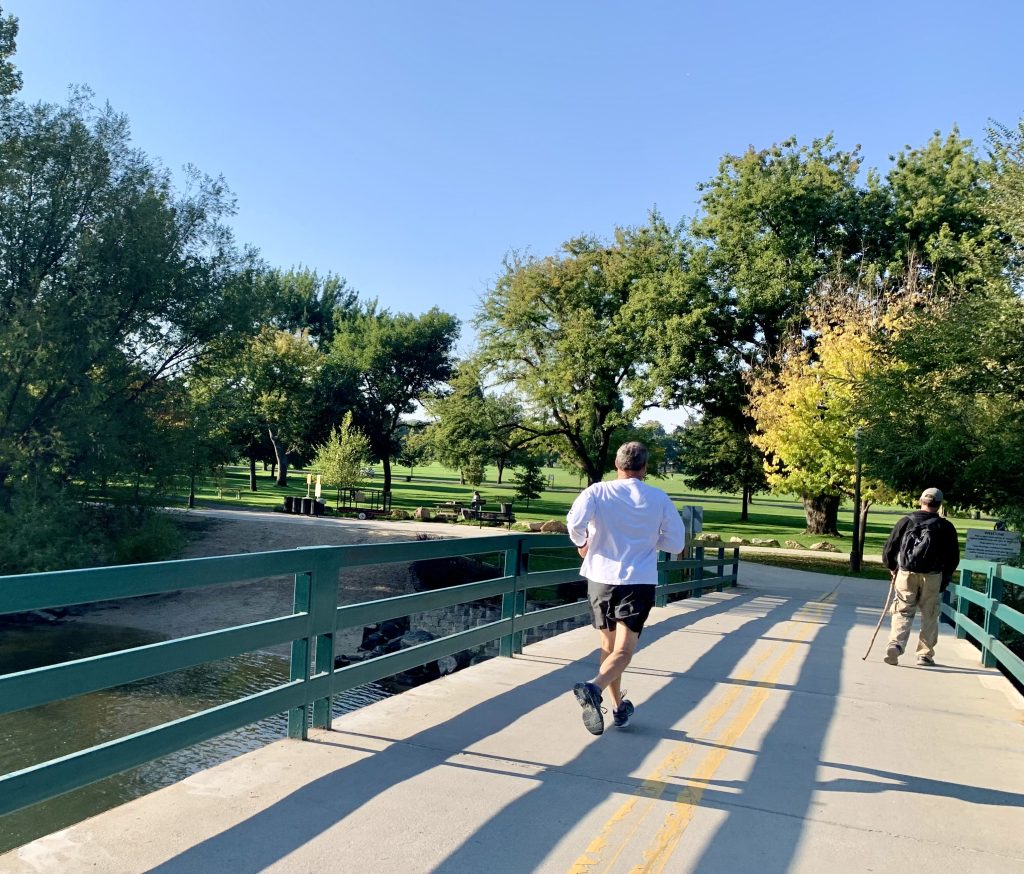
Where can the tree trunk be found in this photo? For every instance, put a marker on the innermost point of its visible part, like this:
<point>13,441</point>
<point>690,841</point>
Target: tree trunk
<point>501,470</point>
<point>281,454</point>
<point>252,473</point>
<point>822,513</point>
<point>192,490</point>
<point>746,504</point>
<point>386,462</point>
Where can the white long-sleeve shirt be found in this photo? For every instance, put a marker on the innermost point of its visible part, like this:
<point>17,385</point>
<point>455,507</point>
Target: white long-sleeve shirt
<point>625,522</point>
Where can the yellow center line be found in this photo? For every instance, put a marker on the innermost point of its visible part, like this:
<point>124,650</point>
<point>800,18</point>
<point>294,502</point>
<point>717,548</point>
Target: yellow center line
<point>653,786</point>
<point>687,800</point>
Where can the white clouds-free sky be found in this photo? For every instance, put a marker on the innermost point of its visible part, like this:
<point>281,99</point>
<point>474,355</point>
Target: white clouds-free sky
<point>408,145</point>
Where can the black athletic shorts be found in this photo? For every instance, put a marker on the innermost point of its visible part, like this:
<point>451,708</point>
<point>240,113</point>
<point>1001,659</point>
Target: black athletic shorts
<point>628,603</point>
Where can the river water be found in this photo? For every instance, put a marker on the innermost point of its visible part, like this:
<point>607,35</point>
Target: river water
<point>42,733</point>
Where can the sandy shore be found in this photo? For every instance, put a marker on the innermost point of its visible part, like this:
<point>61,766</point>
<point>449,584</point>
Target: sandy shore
<point>178,614</point>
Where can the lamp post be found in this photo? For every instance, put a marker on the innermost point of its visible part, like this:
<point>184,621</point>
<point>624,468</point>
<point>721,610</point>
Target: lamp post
<point>855,544</point>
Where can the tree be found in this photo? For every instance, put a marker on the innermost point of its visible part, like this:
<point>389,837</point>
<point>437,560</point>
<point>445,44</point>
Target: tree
<point>806,412</point>
<point>504,418</point>
<point>529,481</point>
<point>1005,177</point>
<point>343,457</point>
<point>580,335</point>
<point>10,77</point>
<point>307,302</point>
<point>398,360</point>
<point>416,449</point>
<point>111,286</point>
<point>280,375</point>
<point>945,405</point>
<point>713,454</point>
<point>773,223</point>
<point>459,435</point>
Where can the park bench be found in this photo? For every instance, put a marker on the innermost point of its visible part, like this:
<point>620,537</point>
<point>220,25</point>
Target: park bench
<point>503,516</point>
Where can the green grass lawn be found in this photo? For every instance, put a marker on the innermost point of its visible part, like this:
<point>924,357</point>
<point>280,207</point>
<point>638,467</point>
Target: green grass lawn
<point>771,516</point>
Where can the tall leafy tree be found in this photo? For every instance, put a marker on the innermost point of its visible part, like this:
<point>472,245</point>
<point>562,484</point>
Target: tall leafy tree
<point>399,359</point>
<point>10,77</point>
<point>807,409</point>
<point>111,284</point>
<point>280,376</point>
<point>580,335</point>
<point>945,406</point>
<point>305,301</point>
<point>773,222</point>
<point>713,454</point>
<point>459,435</point>
<point>1005,176</point>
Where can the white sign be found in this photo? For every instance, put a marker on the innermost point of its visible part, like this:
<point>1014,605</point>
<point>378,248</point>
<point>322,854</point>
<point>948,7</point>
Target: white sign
<point>317,492</point>
<point>988,545</point>
<point>693,521</point>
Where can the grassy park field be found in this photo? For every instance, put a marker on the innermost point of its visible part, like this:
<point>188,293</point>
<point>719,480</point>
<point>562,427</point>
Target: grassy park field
<point>770,516</point>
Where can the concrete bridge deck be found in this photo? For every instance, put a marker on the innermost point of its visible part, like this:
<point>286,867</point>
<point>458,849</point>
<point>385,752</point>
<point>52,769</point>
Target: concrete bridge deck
<point>761,742</point>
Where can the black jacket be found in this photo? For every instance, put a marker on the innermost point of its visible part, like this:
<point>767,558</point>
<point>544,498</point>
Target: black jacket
<point>947,554</point>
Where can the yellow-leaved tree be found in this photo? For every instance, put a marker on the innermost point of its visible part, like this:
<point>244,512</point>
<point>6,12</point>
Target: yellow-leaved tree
<point>805,412</point>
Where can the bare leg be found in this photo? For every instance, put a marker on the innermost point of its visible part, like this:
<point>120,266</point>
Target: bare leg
<point>617,648</point>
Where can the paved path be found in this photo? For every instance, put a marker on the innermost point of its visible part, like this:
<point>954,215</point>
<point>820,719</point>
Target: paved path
<point>762,742</point>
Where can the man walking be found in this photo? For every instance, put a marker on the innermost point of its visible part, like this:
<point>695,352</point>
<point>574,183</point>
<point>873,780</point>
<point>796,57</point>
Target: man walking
<point>922,553</point>
<point>618,528</point>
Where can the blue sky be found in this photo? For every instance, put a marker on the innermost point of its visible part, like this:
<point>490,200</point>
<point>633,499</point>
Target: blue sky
<point>407,146</point>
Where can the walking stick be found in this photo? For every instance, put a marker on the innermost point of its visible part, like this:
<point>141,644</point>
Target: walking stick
<point>885,608</point>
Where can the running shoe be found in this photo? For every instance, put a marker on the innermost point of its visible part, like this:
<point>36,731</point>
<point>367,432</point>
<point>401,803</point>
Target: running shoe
<point>621,714</point>
<point>589,697</point>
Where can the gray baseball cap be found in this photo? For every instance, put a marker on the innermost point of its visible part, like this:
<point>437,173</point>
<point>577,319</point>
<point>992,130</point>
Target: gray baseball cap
<point>931,496</point>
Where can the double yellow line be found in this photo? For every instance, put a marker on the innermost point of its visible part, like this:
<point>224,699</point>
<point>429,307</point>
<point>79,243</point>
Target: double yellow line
<point>601,855</point>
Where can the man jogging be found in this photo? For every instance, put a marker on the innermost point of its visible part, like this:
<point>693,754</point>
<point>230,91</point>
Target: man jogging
<point>618,527</point>
<point>922,553</point>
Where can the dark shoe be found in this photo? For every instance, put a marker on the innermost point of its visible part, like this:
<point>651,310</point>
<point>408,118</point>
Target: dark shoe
<point>621,714</point>
<point>892,654</point>
<point>926,661</point>
<point>589,697</point>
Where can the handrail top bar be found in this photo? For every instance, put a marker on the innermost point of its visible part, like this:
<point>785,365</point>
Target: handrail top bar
<point>39,591</point>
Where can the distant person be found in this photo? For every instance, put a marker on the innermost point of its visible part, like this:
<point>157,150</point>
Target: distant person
<point>618,528</point>
<point>476,500</point>
<point>999,526</point>
<point>922,553</point>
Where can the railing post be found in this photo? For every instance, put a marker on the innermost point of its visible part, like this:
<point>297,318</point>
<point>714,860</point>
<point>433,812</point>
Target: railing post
<point>698,573</point>
<point>324,602</point>
<point>517,636</point>
<point>660,596</point>
<point>735,566</point>
<point>720,570</point>
<point>961,604</point>
<point>510,600</point>
<point>994,590</point>
<point>316,595</point>
<point>298,717</point>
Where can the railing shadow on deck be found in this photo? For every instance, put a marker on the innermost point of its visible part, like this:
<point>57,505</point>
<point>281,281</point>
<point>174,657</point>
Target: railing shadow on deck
<point>310,630</point>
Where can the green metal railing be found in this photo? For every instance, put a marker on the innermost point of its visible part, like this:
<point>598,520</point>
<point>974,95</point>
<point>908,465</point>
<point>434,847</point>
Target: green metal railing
<point>309,629</point>
<point>996,614</point>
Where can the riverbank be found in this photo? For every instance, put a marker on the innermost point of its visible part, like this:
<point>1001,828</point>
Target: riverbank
<point>212,533</point>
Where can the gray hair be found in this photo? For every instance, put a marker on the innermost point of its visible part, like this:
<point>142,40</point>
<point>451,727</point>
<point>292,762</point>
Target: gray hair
<point>631,456</point>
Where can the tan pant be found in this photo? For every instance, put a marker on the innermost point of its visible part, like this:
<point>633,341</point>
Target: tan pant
<point>913,591</point>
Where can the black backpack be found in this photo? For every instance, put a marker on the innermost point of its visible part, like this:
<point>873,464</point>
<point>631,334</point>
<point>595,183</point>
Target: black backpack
<point>919,549</point>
